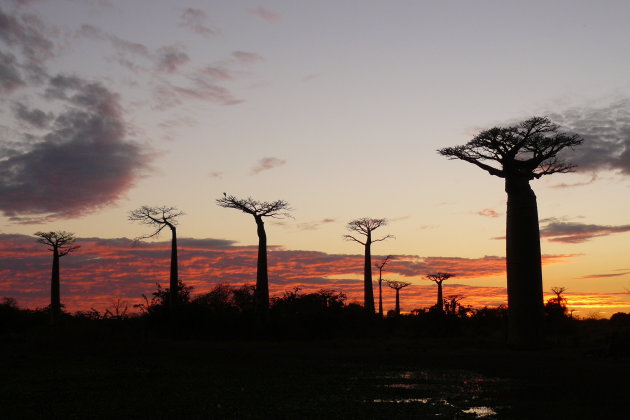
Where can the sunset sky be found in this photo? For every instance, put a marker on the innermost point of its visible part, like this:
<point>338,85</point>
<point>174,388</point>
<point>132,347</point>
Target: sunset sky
<point>338,108</point>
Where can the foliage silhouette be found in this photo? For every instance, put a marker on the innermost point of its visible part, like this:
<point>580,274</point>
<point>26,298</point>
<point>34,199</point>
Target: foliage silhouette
<point>364,227</point>
<point>519,154</point>
<point>61,243</point>
<point>259,210</point>
<point>159,218</point>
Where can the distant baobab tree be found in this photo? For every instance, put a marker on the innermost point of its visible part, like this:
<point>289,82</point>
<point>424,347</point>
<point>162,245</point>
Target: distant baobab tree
<point>365,227</point>
<point>61,243</point>
<point>259,210</point>
<point>559,299</point>
<point>380,283</point>
<point>397,285</point>
<point>519,154</point>
<point>439,278</point>
<point>159,218</point>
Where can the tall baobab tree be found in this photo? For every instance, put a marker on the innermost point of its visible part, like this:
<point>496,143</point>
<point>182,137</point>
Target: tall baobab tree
<point>559,299</point>
<point>438,278</point>
<point>259,210</point>
<point>159,218</point>
<point>520,154</point>
<point>380,283</point>
<point>61,243</point>
<point>397,285</point>
<point>365,227</point>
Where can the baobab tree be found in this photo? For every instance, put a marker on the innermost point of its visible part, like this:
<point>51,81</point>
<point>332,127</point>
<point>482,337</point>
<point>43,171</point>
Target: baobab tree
<point>397,285</point>
<point>380,283</point>
<point>259,210</point>
<point>438,278</point>
<point>61,243</point>
<point>365,227</point>
<point>520,154</point>
<point>559,299</point>
<point>159,218</point>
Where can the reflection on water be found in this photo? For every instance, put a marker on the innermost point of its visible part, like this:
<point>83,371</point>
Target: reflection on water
<point>442,391</point>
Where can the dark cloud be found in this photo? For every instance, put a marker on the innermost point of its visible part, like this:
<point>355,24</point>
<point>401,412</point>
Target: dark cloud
<point>171,57</point>
<point>573,233</point>
<point>27,33</point>
<point>35,117</point>
<point>83,163</point>
<point>10,78</point>
<point>606,133</point>
<point>605,275</point>
<point>267,163</point>
<point>195,19</point>
<point>264,14</point>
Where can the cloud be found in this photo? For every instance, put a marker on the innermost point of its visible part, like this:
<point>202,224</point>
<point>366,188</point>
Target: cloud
<point>247,57</point>
<point>488,213</point>
<point>195,19</point>
<point>10,78</point>
<point>27,33</point>
<point>267,163</point>
<point>606,133</point>
<point>605,275</point>
<point>84,161</point>
<point>34,117</point>
<point>264,14</point>
<point>107,268</point>
<point>171,57</point>
<point>314,225</point>
<point>574,233</point>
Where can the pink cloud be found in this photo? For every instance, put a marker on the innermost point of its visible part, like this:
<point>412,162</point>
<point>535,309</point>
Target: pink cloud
<point>265,14</point>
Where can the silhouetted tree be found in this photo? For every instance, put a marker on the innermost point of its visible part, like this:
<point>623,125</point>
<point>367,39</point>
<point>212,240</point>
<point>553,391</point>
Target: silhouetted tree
<point>453,307</point>
<point>438,278</point>
<point>397,285</point>
<point>558,291</point>
<point>61,243</point>
<point>519,154</point>
<point>365,227</point>
<point>380,283</point>
<point>557,307</point>
<point>159,218</point>
<point>259,210</point>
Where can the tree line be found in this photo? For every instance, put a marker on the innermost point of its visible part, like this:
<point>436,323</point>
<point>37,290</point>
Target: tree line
<point>519,154</point>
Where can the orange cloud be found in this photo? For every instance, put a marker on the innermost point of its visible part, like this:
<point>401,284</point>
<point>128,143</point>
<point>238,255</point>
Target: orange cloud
<point>106,269</point>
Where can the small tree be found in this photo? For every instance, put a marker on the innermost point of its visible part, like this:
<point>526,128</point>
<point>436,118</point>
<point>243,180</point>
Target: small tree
<point>159,218</point>
<point>438,278</point>
<point>397,285</point>
<point>365,227</point>
<point>259,210</point>
<point>380,283</point>
<point>61,243</point>
<point>520,154</point>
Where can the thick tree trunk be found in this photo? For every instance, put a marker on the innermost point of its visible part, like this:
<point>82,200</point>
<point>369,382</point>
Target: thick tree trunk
<point>174,277</point>
<point>368,293</point>
<point>55,295</point>
<point>524,272</point>
<point>380,296</point>
<point>261,294</point>
<point>397,301</point>
<point>440,300</point>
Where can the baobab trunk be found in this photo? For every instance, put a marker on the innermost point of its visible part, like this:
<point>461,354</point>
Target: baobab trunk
<point>440,300</point>
<point>55,295</point>
<point>524,273</point>
<point>380,297</point>
<point>174,277</point>
<point>368,294</point>
<point>397,301</point>
<point>261,294</point>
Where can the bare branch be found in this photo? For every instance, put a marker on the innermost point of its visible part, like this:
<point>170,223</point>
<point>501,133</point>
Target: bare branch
<point>60,240</point>
<point>157,217</point>
<point>383,263</point>
<point>275,209</point>
<point>383,238</point>
<point>352,238</point>
<point>397,285</point>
